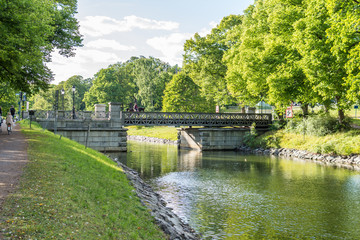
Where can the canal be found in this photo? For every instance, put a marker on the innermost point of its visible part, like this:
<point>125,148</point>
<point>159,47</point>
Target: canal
<point>229,195</point>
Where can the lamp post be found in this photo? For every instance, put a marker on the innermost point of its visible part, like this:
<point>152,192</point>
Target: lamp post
<point>62,98</point>
<point>73,90</point>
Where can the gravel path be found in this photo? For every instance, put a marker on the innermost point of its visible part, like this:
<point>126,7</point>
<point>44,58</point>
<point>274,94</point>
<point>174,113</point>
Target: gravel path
<point>13,158</point>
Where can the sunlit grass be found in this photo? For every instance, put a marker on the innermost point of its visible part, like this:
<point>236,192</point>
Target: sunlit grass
<point>342,143</point>
<point>169,133</point>
<point>69,192</point>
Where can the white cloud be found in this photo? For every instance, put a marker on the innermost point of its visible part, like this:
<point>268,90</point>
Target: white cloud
<point>112,44</point>
<point>97,26</point>
<point>86,63</point>
<point>171,46</point>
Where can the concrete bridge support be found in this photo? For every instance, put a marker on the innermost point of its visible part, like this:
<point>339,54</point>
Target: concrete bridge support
<point>100,133</point>
<point>211,139</point>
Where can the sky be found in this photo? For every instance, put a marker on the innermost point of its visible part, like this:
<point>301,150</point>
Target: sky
<point>115,30</point>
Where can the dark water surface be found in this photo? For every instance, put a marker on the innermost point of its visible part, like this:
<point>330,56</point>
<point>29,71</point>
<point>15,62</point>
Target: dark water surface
<point>228,195</point>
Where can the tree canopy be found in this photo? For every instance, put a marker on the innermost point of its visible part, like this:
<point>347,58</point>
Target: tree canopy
<point>30,30</point>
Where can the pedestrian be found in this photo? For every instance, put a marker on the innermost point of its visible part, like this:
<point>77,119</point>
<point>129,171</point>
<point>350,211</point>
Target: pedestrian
<point>136,108</point>
<point>12,111</point>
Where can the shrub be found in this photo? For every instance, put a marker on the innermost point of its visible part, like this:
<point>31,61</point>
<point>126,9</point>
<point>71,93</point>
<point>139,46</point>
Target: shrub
<point>318,125</point>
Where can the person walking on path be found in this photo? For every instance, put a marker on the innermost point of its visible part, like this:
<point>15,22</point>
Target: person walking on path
<point>12,111</point>
<point>13,158</point>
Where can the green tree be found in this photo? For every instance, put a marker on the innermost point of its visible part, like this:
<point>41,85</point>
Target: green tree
<point>203,62</point>
<point>151,76</point>
<point>183,95</point>
<point>265,64</point>
<point>29,31</point>
<point>113,84</point>
<point>81,87</point>
<point>324,70</point>
<point>344,35</point>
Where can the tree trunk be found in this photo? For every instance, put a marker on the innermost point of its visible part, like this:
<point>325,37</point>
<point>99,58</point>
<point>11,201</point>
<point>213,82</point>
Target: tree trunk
<point>341,116</point>
<point>341,113</point>
<point>305,109</point>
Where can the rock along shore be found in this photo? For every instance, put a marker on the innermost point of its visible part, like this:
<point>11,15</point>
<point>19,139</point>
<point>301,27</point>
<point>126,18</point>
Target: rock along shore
<point>168,221</point>
<point>152,140</point>
<point>349,162</point>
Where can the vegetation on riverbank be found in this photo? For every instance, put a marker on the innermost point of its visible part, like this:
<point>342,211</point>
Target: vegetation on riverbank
<point>69,192</point>
<point>317,134</point>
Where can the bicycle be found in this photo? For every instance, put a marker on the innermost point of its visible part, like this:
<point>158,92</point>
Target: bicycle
<point>9,128</point>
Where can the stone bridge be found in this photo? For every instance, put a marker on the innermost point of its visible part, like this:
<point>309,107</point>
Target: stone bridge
<point>105,132</point>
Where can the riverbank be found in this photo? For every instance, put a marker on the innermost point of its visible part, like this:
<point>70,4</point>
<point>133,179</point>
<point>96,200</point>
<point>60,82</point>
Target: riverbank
<point>169,222</point>
<point>69,192</point>
<point>349,162</point>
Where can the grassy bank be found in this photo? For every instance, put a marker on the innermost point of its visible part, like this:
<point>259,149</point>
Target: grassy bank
<point>69,192</point>
<point>340,143</point>
<point>169,133</point>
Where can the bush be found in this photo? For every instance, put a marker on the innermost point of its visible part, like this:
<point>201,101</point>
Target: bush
<point>318,125</point>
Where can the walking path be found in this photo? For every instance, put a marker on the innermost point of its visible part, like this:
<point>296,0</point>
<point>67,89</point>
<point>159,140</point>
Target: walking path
<point>13,158</point>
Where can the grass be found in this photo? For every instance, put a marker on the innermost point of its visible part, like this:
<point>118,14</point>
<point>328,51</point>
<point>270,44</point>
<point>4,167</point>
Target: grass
<point>69,192</point>
<point>341,143</point>
<point>169,133</point>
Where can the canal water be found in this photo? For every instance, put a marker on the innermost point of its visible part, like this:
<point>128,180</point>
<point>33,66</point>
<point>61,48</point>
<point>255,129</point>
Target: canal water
<point>229,195</point>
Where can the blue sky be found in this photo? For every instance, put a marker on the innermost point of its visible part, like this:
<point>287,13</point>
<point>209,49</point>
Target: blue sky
<point>115,30</point>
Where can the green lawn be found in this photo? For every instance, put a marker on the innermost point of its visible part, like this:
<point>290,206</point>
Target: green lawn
<point>341,143</point>
<point>169,133</point>
<point>69,192</point>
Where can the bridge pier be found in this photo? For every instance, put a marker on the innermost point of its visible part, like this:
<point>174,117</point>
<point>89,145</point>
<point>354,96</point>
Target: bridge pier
<point>101,133</point>
<point>212,139</point>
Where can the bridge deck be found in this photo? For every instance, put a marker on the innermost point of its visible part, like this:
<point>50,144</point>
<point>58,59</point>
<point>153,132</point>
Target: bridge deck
<point>195,119</point>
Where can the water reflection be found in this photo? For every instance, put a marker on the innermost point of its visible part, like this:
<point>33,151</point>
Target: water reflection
<point>226,195</point>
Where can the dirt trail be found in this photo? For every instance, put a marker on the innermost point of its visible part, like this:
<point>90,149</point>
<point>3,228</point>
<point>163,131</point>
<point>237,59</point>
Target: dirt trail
<point>13,158</point>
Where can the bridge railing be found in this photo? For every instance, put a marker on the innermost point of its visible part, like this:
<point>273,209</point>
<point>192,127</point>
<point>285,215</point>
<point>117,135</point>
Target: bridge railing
<point>171,118</point>
<point>42,114</point>
<point>196,119</point>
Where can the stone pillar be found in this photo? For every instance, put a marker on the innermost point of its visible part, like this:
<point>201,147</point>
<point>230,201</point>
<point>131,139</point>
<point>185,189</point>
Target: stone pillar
<point>100,111</point>
<point>61,114</point>
<point>87,115</point>
<point>114,114</point>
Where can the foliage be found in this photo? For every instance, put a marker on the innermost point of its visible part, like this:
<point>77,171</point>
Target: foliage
<point>113,84</point>
<point>318,125</point>
<point>183,95</point>
<point>29,31</point>
<point>69,192</point>
<point>151,76</point>
<point>140,80</point>
<point>45,100</point>
<point>203,62</point>
<point>343,33</point>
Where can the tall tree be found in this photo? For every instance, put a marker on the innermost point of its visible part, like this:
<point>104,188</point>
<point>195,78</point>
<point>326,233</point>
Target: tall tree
<point>113,84</point>
<point>324,70</point>
<point>183,95</point>
<point>151,76</point>
<point>344,35</point>
<point>203,62</point>
<point>29,31</point>
<point>264,63</point>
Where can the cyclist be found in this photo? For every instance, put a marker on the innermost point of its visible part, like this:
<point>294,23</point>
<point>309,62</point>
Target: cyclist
<point>9,122</point>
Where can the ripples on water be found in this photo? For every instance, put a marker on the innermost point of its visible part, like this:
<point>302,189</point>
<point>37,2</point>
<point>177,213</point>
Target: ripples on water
<point>227,195</point>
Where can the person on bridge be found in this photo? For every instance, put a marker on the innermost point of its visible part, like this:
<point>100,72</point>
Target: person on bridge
<point>136,109</point>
